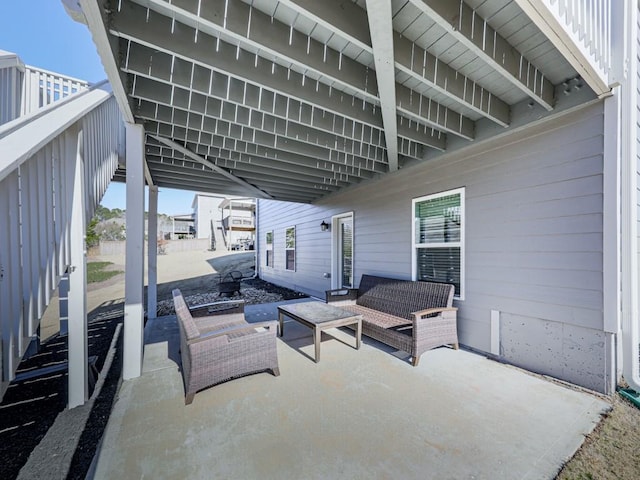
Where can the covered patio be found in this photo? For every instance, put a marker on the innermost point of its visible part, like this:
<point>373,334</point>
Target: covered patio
<point>357,414</point>
<point>307,102</point>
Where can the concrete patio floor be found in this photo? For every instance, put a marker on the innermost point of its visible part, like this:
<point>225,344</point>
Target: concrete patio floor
<point>358,414</point>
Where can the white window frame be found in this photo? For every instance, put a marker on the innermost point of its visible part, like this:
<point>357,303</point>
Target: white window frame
<point>335,248</point>
<point>287,249</point>
<point>269,248</point>
<point>460,244</point>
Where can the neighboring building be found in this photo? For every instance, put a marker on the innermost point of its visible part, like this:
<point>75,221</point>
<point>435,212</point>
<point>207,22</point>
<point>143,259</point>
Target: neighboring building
<point>229,222</point>
<point>181,227</point>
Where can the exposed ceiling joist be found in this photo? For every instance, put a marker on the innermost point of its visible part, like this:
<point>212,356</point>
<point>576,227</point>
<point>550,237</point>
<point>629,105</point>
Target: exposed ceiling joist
<point>271,136</point>
<point>270,108</point>
<point>409,58</point>
<point>293,98</point>
<point>179,40</point>
<point>207,134</point>
<point>546,20</point>
<point>420,64</point>
<point>459,20</point>
<point>252,174</point>
<point>273,154</point>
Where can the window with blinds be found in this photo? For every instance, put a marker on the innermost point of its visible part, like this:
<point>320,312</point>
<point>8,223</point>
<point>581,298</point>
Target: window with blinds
<point>438,238</point>
<point>290,248</point>
<point>269,249</point>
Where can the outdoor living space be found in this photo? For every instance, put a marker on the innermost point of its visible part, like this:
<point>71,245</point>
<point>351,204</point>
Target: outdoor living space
<point>363,413</point>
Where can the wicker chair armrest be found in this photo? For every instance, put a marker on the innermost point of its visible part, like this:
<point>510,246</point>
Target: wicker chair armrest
<point>341,294</point>
<point>217,308</point>
<point>249,328</point>
<point>432,311</point>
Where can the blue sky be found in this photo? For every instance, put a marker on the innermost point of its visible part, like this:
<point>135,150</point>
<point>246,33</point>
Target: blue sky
<point>42,34</point>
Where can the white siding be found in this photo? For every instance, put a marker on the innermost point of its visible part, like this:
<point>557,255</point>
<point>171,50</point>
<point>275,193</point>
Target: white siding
<point>533,241</point>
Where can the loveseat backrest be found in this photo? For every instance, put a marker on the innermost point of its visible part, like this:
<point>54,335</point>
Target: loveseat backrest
<point>402,297</point>
<point>185,320</point>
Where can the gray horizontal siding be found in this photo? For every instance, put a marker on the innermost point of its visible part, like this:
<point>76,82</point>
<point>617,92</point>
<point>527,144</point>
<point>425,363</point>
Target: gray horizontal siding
<point>533,242</point>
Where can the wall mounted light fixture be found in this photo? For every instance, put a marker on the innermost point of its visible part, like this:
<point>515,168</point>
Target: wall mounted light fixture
<point>324,226</point>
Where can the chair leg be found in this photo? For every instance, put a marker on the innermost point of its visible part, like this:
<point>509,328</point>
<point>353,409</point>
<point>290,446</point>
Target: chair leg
<point>189,398</point>
<point>276,371</point>
<point>415,360</point>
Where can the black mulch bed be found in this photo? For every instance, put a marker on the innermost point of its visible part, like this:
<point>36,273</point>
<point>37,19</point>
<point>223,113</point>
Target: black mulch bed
<point>30,407</point>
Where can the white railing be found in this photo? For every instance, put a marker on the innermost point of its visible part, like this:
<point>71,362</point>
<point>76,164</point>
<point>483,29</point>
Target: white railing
<point>24,89</point>
<point>590,22</point>
<point>42,88</point>
<point>40,153</point>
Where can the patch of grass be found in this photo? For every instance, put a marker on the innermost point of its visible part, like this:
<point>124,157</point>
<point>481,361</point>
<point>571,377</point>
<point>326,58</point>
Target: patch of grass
<point>96,272</point>
<point>611,451</point>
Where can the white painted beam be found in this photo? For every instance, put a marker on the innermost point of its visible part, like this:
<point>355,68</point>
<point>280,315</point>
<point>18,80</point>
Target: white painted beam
<point>94,16</point>
<point>152,252</point>
<point>568,45</point>
<point>77,293</point>
<point>134,256</point>
<point>381,28</point>
<point>189,154</point>
<point>469,28</point>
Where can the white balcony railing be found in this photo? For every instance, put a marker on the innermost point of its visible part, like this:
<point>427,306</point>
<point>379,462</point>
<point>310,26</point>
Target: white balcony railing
<point>24,89</point>
<point>42,88</point>
<point>590,21</point>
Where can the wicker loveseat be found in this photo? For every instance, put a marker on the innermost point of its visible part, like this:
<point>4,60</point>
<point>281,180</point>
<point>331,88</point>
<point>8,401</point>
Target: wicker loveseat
<point>408,315</point>
<point>221,344</point>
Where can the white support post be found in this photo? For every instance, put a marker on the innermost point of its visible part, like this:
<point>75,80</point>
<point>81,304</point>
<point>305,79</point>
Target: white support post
<point>134,258</point>
<point>629,190</point>
<point>611,241</point>
<point>77,294</point>
<point>152,246</point>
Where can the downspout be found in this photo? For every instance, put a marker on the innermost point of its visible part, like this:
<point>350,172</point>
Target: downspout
<point>629,241</point>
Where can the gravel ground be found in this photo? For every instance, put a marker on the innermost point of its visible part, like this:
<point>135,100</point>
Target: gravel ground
<point>39,437</point>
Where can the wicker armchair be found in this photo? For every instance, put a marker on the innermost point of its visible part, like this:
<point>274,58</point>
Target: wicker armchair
<point>222,345</point>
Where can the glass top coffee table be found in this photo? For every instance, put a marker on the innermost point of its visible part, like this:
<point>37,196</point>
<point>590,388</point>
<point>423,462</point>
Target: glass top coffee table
<point>319,316</point>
